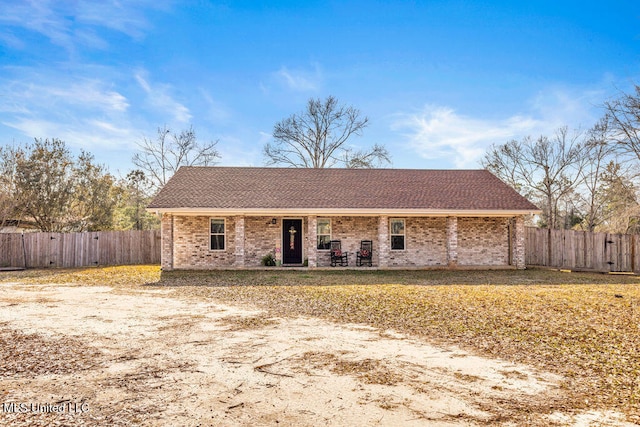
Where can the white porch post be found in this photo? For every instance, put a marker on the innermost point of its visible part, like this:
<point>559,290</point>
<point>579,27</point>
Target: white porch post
<point>452,241</point>
<point>383,241</point>
<point>239,253</point>
<point>312,238</point>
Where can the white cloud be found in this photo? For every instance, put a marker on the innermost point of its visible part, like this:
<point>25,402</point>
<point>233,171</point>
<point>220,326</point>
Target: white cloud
<point>91,95</point>
<point>143,82</point>
<point>237,152</point>
<point>11,40</point>
<point>84,133</point>
<point>215,111</point>
<point>22,96</point>
<point>81,111</point>
<point>37,16</point>
<point>71,23</point>
<point>439,132</point>
<point>124,17</point>
<point>159,97</point>
<point>563,106</point>
<point>300,80</point>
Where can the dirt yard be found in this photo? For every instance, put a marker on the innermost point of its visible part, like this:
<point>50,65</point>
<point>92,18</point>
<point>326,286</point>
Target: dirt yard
<point>98,355</point>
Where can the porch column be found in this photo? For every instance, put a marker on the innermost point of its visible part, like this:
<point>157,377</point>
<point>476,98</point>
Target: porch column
<point>239,253</point>
<point>452,241</point>
<point>383,241</point>
<point>518,243</point>
<point>312,239</point>
<point>166,231</point>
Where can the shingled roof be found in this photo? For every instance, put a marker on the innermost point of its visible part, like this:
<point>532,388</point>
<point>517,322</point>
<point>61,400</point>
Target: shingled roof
<point>272,190</point>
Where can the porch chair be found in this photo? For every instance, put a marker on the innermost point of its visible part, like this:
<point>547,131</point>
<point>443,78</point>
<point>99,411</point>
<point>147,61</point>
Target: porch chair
<point>337,256</point>
<point>365,253</point>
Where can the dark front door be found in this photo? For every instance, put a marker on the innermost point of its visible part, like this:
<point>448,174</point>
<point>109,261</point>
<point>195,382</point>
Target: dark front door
<point>292,241</point>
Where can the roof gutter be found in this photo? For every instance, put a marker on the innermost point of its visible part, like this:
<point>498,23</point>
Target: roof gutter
<point>344,212</point>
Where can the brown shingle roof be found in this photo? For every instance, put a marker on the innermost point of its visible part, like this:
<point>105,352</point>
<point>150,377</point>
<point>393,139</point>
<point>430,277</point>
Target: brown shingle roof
<point>248,188</point>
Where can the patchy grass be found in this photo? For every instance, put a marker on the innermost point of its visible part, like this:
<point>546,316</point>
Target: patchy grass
<point>30,355</point>
<point>125,275</point>
<point>370,371</point>
<point>583,326</point>
<point>244,323</point>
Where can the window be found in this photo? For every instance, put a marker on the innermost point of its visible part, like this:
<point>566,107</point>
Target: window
<point>397,234</point>
<point>217,234</point>
<point>324,233</point>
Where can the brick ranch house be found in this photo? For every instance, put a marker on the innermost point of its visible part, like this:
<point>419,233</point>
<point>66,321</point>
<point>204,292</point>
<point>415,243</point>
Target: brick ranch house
<point>231,217</point>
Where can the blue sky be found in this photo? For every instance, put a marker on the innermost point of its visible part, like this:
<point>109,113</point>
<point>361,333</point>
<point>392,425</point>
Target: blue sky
<point>439,80</point>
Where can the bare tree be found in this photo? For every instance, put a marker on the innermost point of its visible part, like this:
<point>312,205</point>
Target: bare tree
<point>161,158</point>
<point>621,210</point>
<point>8,205</point>
<point>623,115</point>
<point>316,138</point>
<point>545,170</point>
<point>599,152</point>
<point>133,197</point>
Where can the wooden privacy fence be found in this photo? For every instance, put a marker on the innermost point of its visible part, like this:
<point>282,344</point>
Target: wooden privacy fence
<point>43,250</point>
<point>577,250</point>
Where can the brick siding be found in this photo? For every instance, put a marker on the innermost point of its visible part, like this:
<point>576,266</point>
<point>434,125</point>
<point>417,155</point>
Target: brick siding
<point>429,241</point>
<point>350,231</point>
<point>518,257</point>
<point>483,241</point>
<point>191,235</point>
<point>425,244</point>
<point>261,238</point>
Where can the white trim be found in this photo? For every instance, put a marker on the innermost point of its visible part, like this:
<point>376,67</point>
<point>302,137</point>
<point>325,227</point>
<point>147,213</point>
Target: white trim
<point>325,212</point>
<point>318,234</point>
<point>224,234</point>
<point>404,234</point>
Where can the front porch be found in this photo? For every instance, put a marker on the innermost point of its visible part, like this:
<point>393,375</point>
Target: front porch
<point>410,242</point>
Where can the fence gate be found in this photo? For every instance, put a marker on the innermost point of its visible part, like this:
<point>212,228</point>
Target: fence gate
<point>611,252</point>
<point>619,252</point>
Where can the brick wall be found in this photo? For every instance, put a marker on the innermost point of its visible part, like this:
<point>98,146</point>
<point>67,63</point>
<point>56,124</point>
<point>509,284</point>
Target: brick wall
<point>425,244</point>
<point>483,241</point>
<point>191,235</point>
<point>383,241</point>
<point>480,241</point>
<point>166,251</point>
<point>261,238</point>
<point>311,237</point>
<point>452,241</point>
<point>518,243</point>
<point>350,230</point>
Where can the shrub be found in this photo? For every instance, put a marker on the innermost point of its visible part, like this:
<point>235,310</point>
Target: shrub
<point>268,260</point>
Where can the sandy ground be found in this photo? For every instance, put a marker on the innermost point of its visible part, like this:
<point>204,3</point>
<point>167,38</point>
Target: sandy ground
<point>149,358</point>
